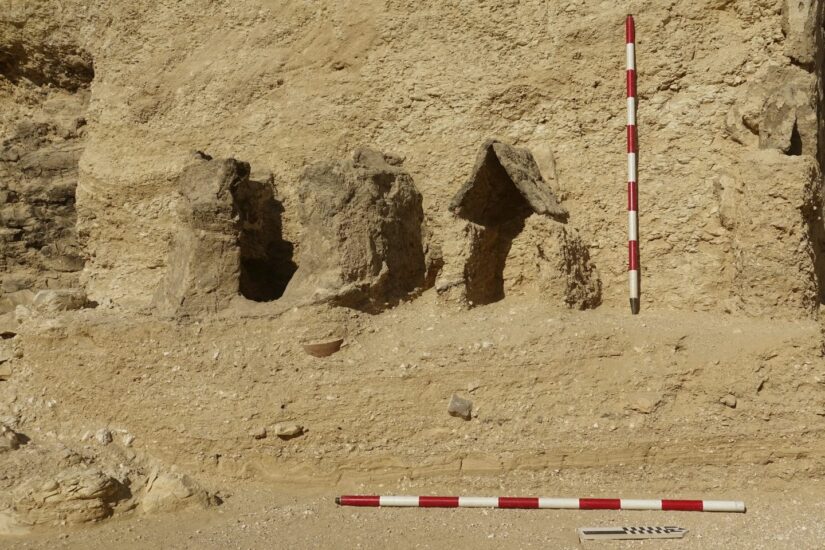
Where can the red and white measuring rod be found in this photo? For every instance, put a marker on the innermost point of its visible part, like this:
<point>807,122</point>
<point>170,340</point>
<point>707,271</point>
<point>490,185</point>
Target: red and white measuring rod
<point>632,168</point>
<point>541,502</point>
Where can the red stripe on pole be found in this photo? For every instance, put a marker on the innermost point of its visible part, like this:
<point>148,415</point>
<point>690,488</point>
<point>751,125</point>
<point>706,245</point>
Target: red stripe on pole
<point>632,196</point>
<point>600,504</point>
<point>518,502</point>
<point>630,29</point>
<point>683,505</point>
<point>360,500</point>
<point>633,249</point>
<point>632,143</point>
<point>631,83</point>
<point>438,502</point>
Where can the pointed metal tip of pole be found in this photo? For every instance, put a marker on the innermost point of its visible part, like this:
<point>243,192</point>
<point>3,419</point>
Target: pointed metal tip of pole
<point>634,306</point>
<point>337,500</point>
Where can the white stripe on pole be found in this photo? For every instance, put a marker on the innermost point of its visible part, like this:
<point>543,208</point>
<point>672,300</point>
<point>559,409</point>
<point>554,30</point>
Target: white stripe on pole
<point>634,283</point>
<point>723,506</point>
<point>633,225</point>
<point>399,501</point>
<point>631,504</point>
<point>478,502</point>
<point>631,57</point>
<point>631,111</point>
<point>559,503</point>
<point>631,166</point>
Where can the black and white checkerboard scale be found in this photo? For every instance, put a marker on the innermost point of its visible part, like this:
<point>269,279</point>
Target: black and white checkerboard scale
<point>629,533</point>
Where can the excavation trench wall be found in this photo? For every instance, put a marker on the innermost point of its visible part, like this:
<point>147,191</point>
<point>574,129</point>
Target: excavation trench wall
<point>728,119</point>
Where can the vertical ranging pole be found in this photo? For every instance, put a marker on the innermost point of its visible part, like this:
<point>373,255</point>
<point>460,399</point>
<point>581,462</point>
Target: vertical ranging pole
<point>632,157</point>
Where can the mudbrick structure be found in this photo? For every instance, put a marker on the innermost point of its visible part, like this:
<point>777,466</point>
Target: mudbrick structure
<point>255,252</point>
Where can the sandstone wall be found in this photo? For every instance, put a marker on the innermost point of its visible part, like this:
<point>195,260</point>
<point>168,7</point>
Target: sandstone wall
<point>281,84</point>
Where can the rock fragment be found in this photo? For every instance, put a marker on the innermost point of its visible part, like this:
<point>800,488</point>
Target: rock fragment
<point>204,266</point>
<point>76,495</point>
<point>781,195</point>
<point>287,430</point>
<point>103,436</point>
<point>362,226</point>
<point>8,325</point>
<point>552,260</point>
<point>9,439</point>
<point>510,232</point>
<point>6,355</point>
<point>505,183</point>
<point>54,301</point>
<point>802,27</point>
<point>729,401</point>
<point>646,402</point>
<point>460,407</point>
<point>166,492</point>
<point>258,433</point>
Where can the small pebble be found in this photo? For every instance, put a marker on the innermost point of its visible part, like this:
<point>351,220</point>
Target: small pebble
<point>460,407</point>
<point>103,436</point>
<point>287,430</point>
<point>729,401</point>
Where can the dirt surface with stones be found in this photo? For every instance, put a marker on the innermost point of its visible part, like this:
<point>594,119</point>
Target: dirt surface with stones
<point>256,254</point>
<point>777,518</point>
<point>563,404</point>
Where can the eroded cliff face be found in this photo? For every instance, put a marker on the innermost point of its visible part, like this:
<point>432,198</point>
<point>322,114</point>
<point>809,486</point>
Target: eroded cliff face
<point>44,89</point>
<point>729,122</point>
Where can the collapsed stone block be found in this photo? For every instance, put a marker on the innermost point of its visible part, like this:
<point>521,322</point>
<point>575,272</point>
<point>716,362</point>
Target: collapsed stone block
<point>475,255</point>
<point>361,244</point>
<point>552,259</point>
<point>771,202</point>
<point>778,111</point>
<point>505,184</point>
<point>167,492</point>
<point>789,114</point>
<point>801,25</point>
<point>505,193</point>
<point>204,265</point>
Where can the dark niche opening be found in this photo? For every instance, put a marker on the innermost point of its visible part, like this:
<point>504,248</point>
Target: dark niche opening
<point>495,203</point>
<point>795,148</point>
<point>266,258</point>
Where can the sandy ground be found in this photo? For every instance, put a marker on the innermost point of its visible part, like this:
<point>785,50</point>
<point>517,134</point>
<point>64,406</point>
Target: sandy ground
<point>258,517</point>
<point>567,404</point>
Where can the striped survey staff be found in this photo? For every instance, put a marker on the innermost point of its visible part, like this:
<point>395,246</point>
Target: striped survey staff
<point>542,503</point>
<point>632,169</point>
